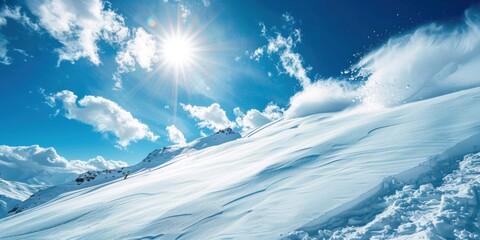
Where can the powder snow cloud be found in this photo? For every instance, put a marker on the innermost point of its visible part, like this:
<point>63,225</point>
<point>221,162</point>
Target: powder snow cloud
<point>429,61</point>
<point>433,60</point>
<point>105,116</point>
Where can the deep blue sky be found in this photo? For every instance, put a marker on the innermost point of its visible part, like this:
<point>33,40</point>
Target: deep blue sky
<point>335,34</point>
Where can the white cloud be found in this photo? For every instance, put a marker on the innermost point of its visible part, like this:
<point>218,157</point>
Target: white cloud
<point>263,29</point>
<point>105,116</point>
<point>254,118</point>
<point>206,3</point>
<point>175,135</point>
<point>291,61</point>
<point>288,18</point>
<point>79,25</point>
<point>212,117</point>
<point>95,164</point>
<point>184,12</point>
<point>141,50</point>
<point>4,58</point>
<point>257,54</point>
<point>283,45</point>
<point>35,164</point>
<point>14,14</point>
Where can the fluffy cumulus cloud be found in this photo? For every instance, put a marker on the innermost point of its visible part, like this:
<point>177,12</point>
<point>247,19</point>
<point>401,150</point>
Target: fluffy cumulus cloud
<point>175,135</point>
<point>79,25</point>
<point>95,164</point>
<point>38,165</point>
<point>105,116</point>
<point>257,54</point>
<point>141,50</point>
<point>254,118</point>
<point>17,15</point>
<point>212,117</point>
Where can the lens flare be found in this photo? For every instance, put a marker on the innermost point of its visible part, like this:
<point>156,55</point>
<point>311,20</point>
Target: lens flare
<point>151,21</point>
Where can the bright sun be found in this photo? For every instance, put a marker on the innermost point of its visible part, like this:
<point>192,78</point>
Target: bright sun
<point>177,51</point>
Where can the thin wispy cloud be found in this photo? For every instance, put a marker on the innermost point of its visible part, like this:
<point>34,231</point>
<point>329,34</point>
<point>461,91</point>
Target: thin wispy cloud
<point>19,16</point>
<point>282,45</point>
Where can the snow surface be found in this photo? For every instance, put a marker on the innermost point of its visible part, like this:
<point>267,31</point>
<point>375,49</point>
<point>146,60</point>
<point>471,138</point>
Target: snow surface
<point>154,159</point>
<point>303,174</point>
<point>13,193</point>
<point>444,208</point>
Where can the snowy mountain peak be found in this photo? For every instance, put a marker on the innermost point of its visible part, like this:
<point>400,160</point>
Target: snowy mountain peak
<point>217,138</point>
<point>225,131</point>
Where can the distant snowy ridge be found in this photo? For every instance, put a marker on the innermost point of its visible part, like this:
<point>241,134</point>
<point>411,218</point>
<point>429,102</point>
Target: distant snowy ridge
<point>153,160</point>
<point>25,170</point>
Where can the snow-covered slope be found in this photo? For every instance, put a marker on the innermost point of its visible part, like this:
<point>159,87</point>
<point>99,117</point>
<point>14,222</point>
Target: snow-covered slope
<point>154,159</point>
<point>445,207</point>
<point>294,175</point>
<point>12,193</point>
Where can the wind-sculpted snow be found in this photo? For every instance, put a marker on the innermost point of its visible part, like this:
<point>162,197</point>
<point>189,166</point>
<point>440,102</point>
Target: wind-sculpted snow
<point>296,174</point>
<point>443,208</point>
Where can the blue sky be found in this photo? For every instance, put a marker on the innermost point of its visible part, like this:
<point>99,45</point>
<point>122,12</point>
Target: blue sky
<point>47,47</point>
